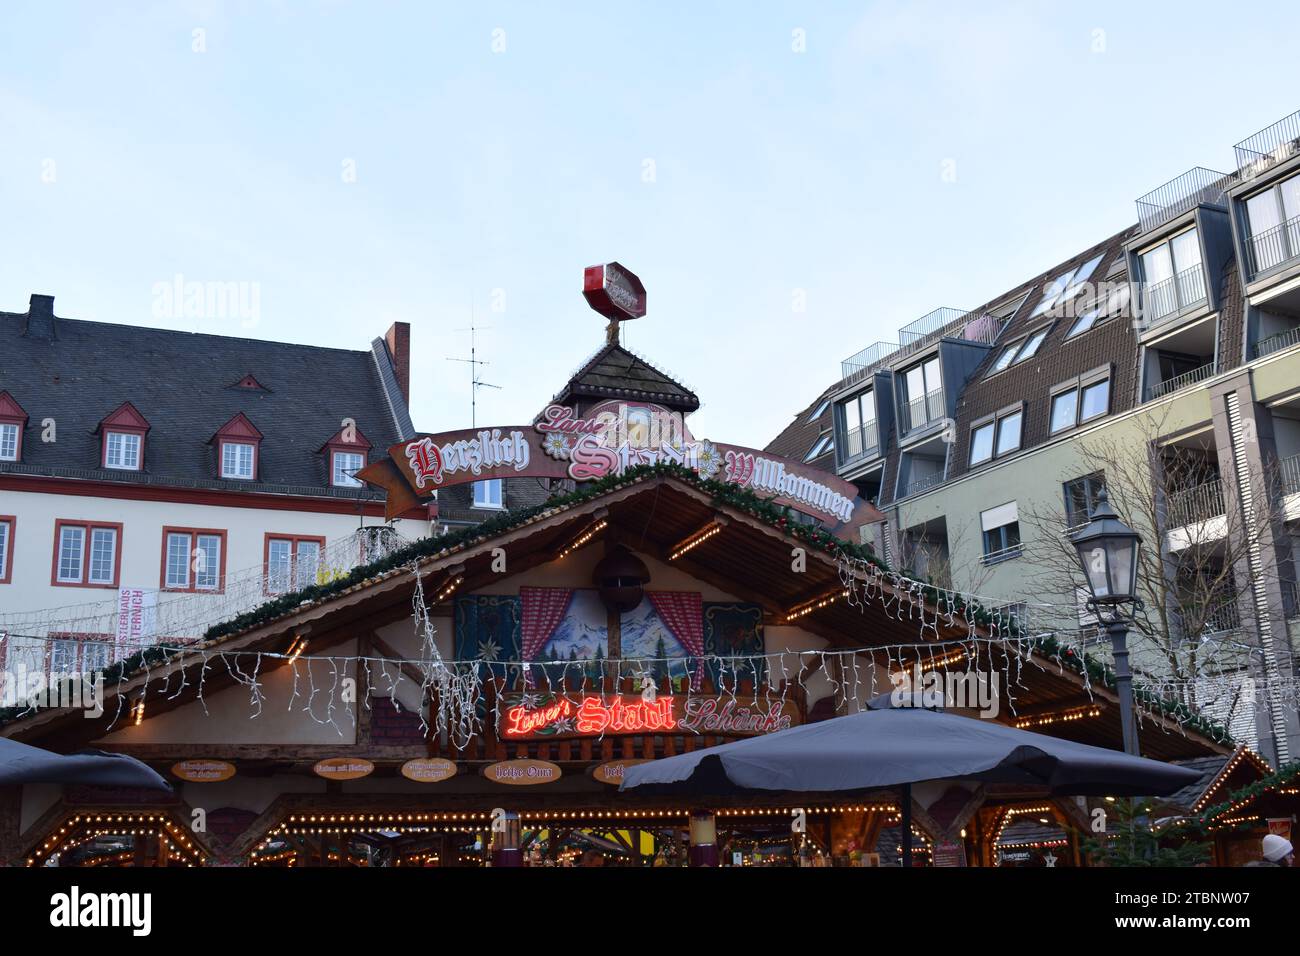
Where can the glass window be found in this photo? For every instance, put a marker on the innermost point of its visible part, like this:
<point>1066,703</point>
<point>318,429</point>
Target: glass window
<point>1095,400</point>
<point>487,494</point>
<point>1002,538</point>
<point>1084,322</point>
<point>1009,433</point>
<point>63,657</point>
<point>1081,498</point>
<point>95,656</point>
<point>8,441</point>
<point>933,380</point>
<point>72,542</point>
<point>346,465</point>
<point>1187,250</point>
<point>1053,293</point>
<point>103,549</point>
<point>307,560</point>
<point>207,563</point>
<point>1031,345</point>
<point>1064,409</point>
<point>4,548</point>
<point>1262,212</point>
<point>178,560</point>
<point>981,444</point>
<point>1081,276</point>
<point>820,446</point>
<point>279,562</point>
<point>1004,359</point>
<point>1156,265</point>
<point>819,411</point>
<point>236,460</point>
<point>123,451</point>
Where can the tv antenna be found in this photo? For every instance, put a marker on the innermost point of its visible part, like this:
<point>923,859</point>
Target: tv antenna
<point>474,362</point>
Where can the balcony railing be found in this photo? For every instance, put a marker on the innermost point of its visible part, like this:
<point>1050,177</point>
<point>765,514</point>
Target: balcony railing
<point>1274,247</point>
<point>1290,474</point>
<point>924,410</point>
<point>1191,189</point>
<point>1179,382</point>
<point>872,357</point>
<point>1277,342</point>
<point>859,441</point>
<point>1198,503</point>
<point>1220,618</point>
<point>1273,144</point>
<point>920,483</point>
<point>1173,294</point>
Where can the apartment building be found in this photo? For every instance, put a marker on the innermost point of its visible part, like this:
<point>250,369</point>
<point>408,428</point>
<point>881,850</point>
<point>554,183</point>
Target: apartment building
<point>1161,363</point>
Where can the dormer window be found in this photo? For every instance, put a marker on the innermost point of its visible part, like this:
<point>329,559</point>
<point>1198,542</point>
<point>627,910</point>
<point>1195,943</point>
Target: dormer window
<point>239,451</point>
<point>122,451</point>
<point>122,439</point>
<point>346,453</point>
<point>12,421</point>
<point>237,460</point>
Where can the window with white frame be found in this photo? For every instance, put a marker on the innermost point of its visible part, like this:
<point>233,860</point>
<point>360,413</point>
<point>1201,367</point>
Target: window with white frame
<point>193,559</point>
<point>487,494</point>
<point>8,441</point>
<point>122,451</point>
<point>237,460</point>
<point>79,654</point>
<point>86,554</point>
<point>292,562</point>
<point>346,465</point>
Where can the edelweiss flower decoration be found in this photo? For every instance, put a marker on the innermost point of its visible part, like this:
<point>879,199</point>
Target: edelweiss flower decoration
<point>709,460</point>
<point>556,445</point>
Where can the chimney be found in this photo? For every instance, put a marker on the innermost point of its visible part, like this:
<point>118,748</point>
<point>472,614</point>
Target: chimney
<point>398,340</point>
<point>40,318</point>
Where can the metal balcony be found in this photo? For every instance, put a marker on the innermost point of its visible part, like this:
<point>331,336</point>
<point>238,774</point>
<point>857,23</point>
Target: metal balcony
<point>861,440</point>
<point>1179,382</point>
<point>924,410</point>
<point>1274,247</point>
<point>859,365</point>
<point>1174,294</point>
<point>1289,469</point>
<point>1192,505</point>
<point>1271,145</point>
<point>923,482</point>
<point>1193,188</point>
<point>1277,342</point>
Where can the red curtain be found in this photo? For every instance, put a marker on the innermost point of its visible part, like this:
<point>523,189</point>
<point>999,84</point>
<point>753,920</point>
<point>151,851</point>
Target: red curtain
<point>542,609</point>
<point>683,613</point>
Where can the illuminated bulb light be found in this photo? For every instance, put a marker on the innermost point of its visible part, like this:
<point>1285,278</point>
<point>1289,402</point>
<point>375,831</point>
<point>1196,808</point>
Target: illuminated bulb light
<point>1077,713</point>
<point>296,648</point>
<point>138,711</point>
<point>583,538</point>
<point>451,587</point>
<point>802,610</point>
<point>695,541</point>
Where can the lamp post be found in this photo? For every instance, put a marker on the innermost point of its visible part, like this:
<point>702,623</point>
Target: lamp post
<point>1108,552</point>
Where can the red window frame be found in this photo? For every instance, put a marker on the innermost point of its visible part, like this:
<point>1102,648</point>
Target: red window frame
<point>82,638</point>
<point>7,564</point>
<point>88,527</point>
<point>295,540</point>
<point>193,533</point>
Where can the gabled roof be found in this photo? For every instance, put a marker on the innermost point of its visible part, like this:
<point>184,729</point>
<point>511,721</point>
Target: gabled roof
<point>615,372</point>
<point>341,439</point>
<point>239,427</point>
<point>125,415</point>
<point>10,409</point>
<point>681,505</point>
<point>181,382</point>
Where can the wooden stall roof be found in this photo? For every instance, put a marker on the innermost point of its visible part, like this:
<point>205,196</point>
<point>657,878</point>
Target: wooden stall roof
<point>653,514</point>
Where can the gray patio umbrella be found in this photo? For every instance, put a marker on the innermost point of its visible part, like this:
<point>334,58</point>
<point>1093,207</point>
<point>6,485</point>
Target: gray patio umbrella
<point>22,763</point>
<point>888,748</point>
<point>898,747</point>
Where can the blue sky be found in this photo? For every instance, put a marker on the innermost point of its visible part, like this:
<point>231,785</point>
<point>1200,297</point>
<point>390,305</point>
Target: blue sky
<point>359,163</point>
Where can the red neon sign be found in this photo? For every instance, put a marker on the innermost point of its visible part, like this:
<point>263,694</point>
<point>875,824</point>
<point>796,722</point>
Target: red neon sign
<point>618,715</point>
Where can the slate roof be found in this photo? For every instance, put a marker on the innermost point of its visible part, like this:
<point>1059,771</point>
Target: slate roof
<point>616,372</point>
<point>798,438</point>
<point>186,385</point>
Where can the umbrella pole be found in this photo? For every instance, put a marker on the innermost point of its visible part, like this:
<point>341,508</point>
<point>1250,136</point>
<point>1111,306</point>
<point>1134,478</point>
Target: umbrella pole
<point>907,825</point>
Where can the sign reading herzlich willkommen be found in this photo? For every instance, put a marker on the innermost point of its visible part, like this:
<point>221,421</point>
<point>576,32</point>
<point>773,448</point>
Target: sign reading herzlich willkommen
<point>553,716</point>
<point>611,438</point>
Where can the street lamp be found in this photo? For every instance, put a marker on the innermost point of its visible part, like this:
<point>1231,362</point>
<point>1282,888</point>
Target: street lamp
<point>1108,552</point>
